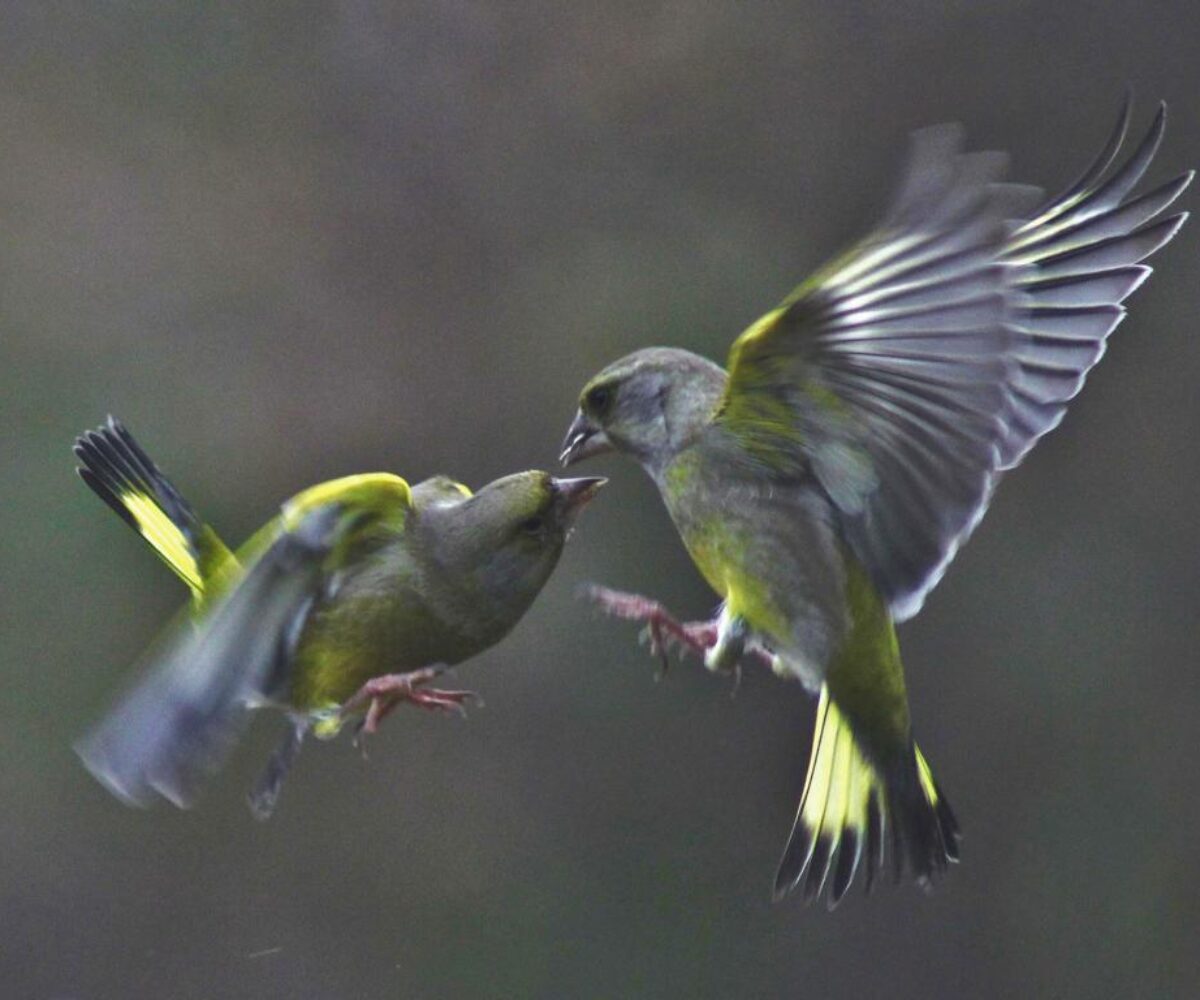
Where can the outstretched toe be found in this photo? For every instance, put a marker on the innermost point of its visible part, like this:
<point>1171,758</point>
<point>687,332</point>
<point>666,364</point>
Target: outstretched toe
<point>663,632</point>
<point>382,695</point>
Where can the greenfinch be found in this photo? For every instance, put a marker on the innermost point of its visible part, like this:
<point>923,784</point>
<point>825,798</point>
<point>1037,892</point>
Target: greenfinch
<point>823,482</point>
<point>347,603</point>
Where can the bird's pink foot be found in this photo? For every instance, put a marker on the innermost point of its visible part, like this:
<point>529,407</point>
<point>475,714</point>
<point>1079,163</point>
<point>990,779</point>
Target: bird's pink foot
<point>663,630</point>
<point>382,695</point>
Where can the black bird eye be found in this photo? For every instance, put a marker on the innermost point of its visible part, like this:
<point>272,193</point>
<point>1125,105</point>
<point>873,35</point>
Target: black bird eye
<point>599,399</point>
<point>533,525</point>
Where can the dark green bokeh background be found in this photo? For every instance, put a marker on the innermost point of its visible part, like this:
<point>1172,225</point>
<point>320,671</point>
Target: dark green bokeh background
<point>325,238</point>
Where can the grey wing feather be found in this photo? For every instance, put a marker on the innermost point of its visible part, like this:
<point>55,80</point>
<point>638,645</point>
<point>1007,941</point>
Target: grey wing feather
<point>949,342</point>
<point>1076,261</point>
<point>918,351</point>
<point>179,723</point>
<point>1069,269</point>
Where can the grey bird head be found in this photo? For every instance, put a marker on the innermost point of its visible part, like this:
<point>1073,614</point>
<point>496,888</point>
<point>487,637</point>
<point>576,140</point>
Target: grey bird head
<point>649,404</point>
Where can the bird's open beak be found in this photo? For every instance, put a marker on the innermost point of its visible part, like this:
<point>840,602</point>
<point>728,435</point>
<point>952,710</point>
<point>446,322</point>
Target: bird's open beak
<point>573,495</point>
<point>584,439</point>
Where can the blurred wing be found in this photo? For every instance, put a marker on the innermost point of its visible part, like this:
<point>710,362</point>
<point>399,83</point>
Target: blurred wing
<point>178,724</point>
<point>908,373</point>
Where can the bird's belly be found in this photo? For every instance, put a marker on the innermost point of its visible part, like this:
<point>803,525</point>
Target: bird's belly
<point>365,636</point>
<point>781,573</point>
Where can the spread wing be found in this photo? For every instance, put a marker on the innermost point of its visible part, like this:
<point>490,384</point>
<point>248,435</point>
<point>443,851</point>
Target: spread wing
<point>907,374</point>
<point>179,722</point>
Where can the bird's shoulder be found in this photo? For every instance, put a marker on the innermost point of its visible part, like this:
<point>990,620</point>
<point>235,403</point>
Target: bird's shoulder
<point>367,496</point>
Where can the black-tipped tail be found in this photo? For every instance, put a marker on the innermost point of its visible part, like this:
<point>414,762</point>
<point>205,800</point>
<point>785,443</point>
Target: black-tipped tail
<point>118,471</point>
<point>851,808</point>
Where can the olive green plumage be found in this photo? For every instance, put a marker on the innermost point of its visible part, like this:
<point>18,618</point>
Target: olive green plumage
<point>824,483</point>
<point>355,578</point>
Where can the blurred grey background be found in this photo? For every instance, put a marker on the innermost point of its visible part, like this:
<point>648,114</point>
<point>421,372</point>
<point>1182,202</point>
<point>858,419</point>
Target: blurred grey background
<point>308,239</point>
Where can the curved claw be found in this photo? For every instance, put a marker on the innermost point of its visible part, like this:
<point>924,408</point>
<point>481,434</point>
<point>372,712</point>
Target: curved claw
<point>662,632</point>
<point>382,695</point>
<point>737,681</point>
<point>654,636</point>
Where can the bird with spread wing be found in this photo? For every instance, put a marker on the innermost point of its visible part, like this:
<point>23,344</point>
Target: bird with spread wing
<point>823,483</point>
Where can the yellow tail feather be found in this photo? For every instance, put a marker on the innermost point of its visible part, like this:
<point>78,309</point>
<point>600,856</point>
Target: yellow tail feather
<point>165,538</point>
<point>850,801</point>
<point>124,477</point>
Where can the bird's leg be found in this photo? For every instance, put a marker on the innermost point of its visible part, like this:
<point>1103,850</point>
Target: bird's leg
<point>723,642</point>
<point>265,793</point>
<point>725,655</point>
<point>733,645</point>
<point>732,632</point>
<point>663,631</point>
<point>382,694</point>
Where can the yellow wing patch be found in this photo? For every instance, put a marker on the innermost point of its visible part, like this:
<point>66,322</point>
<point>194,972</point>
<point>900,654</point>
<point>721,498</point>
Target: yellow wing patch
<point>757,353</point>
<point>752,337</point>
<point>380,493</point>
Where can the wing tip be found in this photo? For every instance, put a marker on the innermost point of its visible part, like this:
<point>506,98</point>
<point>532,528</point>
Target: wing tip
<point>91,754</point>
